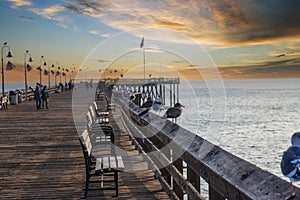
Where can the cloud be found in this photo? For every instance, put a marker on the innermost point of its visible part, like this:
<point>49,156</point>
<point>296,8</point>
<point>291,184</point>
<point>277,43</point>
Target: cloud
<point>19,3</point>
<point>26,17</point>
<point>169,24</point>
<point>86,7</point>
<point>280,55</point>
<point>225,23</point>
<point>99,33</point>
<point>53,13</point>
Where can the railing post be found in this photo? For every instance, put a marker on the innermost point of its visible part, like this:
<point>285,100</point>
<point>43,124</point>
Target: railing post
<point>179,165</point>
<point>165,172</point>
<point>214,195</point>
<point>194,179</point>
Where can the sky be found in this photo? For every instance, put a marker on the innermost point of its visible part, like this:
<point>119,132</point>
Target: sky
<point>243,39</point>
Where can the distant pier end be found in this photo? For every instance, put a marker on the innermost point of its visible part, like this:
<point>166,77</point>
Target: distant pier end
<point>144,88</point>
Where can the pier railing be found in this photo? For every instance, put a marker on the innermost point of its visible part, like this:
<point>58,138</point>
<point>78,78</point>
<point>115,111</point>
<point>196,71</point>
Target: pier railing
<point>179,158</point>
<point>21,95</point>
<point>135,81</point>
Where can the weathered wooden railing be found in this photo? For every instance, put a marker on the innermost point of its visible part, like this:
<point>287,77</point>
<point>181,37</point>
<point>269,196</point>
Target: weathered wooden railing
<point>168,148</point>
<point>30,92</point>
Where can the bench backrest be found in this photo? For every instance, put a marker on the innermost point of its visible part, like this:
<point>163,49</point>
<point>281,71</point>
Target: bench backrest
<point>86,141</point>
<point>102,133</point>
<point>89,119</point>
<point>92,112</point>
<point>102,105</point>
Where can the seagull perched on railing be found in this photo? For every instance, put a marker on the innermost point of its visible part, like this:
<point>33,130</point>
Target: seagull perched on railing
<point>174,112</point>
<point>148,103</point>
<point>290,163</point>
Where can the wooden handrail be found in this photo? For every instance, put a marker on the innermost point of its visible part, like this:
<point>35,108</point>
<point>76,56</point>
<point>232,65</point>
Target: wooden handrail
<point>30,93</point>
<point>228,176</point>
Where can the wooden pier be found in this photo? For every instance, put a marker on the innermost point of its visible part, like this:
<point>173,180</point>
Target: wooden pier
<point>41,156</point>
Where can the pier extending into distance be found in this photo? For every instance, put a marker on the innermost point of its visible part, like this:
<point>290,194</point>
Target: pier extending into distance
<point>41,157</point>
<point>144,88</point>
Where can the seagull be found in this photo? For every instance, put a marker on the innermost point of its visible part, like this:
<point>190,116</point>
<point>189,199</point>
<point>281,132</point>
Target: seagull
<point>148,103</point>
<point>290,163</point>
<point>157,104</point>
<point>174,112</point>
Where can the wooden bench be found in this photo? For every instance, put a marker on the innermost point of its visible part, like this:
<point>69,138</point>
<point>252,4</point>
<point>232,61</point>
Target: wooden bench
<point>100,117</point>
<point>97,166</point>
<point>102,143</point>
<point>101,106</point>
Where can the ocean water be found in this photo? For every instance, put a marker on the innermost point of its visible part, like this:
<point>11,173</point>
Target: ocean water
<point>254,118</point>
<point>15,85</point>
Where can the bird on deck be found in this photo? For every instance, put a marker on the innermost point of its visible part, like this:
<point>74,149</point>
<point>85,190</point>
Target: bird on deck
<point>290,163</point>
<point>174,112</point>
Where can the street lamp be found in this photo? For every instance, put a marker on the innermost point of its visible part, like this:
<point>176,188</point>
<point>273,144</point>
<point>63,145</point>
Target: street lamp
<point>9,55</point>
<point>53,72</point>
<point>42,58</point>
<point>64,74</point>
<point>49,77</point>
<point>25,70</point>
<point>60,76</point>
<point>72,72</point>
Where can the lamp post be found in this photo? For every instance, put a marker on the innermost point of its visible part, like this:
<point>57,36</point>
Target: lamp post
<point>41,69</point>
<point>72,72</point>
<point>53,72</point>
<point>25,70</point>
<point>49,77</point>
<point>60,76</point>
<point>9,55</point>
<point>66,76</point>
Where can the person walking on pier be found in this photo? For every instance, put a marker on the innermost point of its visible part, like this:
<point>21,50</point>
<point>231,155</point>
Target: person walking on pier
<point>37,96</point>
<point>45,97</point>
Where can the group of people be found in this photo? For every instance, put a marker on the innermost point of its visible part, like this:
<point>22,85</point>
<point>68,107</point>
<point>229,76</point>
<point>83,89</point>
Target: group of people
<point>41,97</point>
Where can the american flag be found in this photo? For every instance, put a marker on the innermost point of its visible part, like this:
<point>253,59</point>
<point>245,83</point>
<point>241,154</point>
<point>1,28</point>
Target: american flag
<point>28,67</point>
<point>10,66</point>
<point>142,43</point>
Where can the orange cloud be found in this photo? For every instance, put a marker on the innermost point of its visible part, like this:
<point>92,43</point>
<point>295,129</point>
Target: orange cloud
<point>19,3</point>
<point>170,24</point>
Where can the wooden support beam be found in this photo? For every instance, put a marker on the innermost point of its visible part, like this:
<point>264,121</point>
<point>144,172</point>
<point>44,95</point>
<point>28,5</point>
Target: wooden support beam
<point>194,178</point>
<point>213,194</point>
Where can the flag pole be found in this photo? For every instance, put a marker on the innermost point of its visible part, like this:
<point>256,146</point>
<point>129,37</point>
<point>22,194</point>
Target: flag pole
<point>144,63</point>
<point>142,46</point>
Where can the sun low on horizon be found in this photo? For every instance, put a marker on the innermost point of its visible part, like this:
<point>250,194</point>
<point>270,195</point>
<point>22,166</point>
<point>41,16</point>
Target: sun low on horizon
<point>243,40</point>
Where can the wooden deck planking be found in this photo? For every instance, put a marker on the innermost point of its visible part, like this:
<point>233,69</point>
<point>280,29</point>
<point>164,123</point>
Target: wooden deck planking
<point>41,157</point>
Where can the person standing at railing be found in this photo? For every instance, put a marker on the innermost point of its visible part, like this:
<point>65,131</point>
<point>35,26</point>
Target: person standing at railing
<point>37,96</point>
<point>45,97</point>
